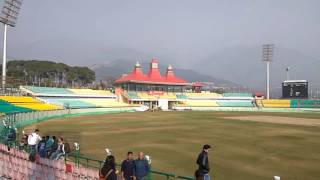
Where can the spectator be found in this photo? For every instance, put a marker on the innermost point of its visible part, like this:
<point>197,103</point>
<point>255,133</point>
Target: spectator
<point>49,142</point>
<point>127,167</point>
<point>54,146</point>
<point>141,167</point>
<point>23,141</point>
<point>60,150</point>
<point>33,139</point>
<point>42,148</point>
<point>11,137</point>
<point>203,163</point>
<point>108,171</point>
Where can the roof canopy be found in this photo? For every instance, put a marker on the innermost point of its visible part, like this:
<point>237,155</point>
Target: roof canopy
<point>153,76</point>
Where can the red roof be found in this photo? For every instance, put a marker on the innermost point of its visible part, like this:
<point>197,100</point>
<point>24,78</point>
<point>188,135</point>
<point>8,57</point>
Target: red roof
<point>153,76</point>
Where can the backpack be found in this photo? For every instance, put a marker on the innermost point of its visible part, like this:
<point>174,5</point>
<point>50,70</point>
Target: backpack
<point>67,148</point>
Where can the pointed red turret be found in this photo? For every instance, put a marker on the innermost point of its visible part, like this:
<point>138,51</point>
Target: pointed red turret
<point>170,77</point>
<point>135,75</point>
<point>153,77</point>
<point>154,73</point>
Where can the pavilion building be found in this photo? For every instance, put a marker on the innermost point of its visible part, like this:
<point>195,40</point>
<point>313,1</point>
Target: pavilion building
<point>152,89</point>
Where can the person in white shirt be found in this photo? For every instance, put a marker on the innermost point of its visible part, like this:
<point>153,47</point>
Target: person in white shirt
<point>33,139</point>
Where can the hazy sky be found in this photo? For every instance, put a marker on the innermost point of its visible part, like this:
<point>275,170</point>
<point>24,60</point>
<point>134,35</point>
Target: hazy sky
<point>185,30</point>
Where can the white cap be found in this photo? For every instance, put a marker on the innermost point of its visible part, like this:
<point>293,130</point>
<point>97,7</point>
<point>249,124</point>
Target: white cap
<point>108,151</point>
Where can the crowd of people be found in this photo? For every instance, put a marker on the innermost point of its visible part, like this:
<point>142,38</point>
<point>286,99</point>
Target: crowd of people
<point>131,169</point>
<point>138,169</point>
<point>51,147</point>
<point>54,148</point>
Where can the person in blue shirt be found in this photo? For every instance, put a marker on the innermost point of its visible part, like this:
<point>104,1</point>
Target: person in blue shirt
<point>127,167</point>
<point>141,167</point>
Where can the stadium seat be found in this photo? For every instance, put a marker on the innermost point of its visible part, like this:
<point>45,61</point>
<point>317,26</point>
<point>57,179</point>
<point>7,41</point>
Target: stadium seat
<point>48,90</point>
<point>237,95</point>
<point>274,103</point>
<point>8,108</point>
<point>29,103</point>
<point>145,95</point>
<point>235,103</point>
<point>203,95</point>
<point>132,95</point>
<point>90,92</point>
<point>104,102</point>
<point>200,103</point>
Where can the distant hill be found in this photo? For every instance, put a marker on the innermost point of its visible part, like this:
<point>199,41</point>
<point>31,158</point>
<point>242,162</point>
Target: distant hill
<point>121,66</point>
<point>244,66</point>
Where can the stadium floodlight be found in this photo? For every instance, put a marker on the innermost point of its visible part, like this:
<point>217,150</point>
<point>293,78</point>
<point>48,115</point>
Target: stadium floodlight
<point>267,55</point>
<point>288,73</point>
<point>8,16</point>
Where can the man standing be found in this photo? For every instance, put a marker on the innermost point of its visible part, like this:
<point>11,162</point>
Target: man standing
<point>141,167</point>
<point>203,163</point>
<point>33,139</point>
<point>127,167</point>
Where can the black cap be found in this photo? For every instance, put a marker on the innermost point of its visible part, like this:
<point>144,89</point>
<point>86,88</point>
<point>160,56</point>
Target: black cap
<point>206,146</point>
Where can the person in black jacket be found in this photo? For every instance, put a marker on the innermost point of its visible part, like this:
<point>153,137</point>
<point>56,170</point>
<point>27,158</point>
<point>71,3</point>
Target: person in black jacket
<point>108,170</point>
<point>203,163</point>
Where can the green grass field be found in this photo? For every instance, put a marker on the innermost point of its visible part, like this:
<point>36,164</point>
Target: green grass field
<point>247,150</point>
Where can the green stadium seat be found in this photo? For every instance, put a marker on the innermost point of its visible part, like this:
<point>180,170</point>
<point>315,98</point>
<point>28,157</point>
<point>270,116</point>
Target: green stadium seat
<point>8,108</point>
<point>48,90</point>
<point>235,103</point>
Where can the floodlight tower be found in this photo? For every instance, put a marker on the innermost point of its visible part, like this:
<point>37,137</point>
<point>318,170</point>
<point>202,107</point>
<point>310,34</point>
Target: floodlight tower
<point>8,17</point>
<point>288,73</point>
<point>267,55</point>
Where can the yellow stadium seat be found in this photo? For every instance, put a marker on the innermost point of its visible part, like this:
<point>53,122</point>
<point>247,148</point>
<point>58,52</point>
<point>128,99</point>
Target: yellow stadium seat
<point>171,96</point>
<point>274,103</point>
<point>90,92</point>
<point>145,95</point>
<point>200,103</point>
<point>29,102</point>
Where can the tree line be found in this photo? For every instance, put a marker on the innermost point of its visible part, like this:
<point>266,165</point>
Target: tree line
<point>48,73</point>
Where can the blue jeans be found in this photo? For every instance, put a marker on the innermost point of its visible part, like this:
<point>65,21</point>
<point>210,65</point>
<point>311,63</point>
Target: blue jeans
<point>206,177</point>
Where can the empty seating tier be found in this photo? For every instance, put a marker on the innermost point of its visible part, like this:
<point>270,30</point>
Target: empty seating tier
<point>235,103</point>
<point>8,108</point>
<point>145,95</point>
<point>29,102</point>
<point>274,103</point>
<point>305,103</point>
<point>203,95</point>
<point>90,92</point>
<point>132,95</point>
<point>70,103</point>
<point>48,90</point>
<point>201,103</point>
<point>237,95</point>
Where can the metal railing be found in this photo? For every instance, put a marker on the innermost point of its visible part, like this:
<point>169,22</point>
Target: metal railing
<point>20,120</point>
<point>81,160</point>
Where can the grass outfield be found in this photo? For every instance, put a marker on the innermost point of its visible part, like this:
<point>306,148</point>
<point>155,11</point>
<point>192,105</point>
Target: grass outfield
<point>243,149</point>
